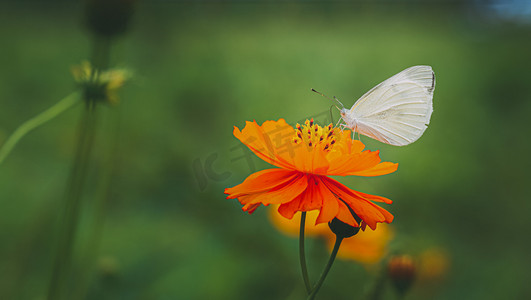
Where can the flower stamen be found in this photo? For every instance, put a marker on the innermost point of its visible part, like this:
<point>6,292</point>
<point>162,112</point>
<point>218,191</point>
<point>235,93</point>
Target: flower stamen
<point>322,137</point>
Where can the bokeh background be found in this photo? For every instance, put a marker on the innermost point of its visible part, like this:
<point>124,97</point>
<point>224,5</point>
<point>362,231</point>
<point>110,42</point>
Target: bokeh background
<point>203,67</point>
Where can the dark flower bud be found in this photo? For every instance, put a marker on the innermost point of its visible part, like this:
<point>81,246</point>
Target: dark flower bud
<point>109,17</point>
<point>402,271</point>
<point>342,229</point>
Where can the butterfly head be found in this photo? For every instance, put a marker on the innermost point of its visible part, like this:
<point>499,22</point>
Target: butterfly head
<point>343,111</point>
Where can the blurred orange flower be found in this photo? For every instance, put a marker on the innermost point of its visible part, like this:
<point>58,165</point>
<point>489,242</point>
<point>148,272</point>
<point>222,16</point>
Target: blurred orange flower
<point>292,227</point>
<point>306,155</point>
<point>434,264</point>
<point>367,247</point>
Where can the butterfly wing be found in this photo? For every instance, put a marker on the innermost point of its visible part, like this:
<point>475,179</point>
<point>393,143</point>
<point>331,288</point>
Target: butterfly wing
<point>398,110</point>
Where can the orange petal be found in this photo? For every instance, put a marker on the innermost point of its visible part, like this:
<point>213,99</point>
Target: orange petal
<point>283,193</point>
<point>356,146</point>
<point>345,216</point>
<point>250,208</point>
<point>302,158</point>
<point>288,210</point>
<point>344,146</point>
<point>369,212</point>
<point>246,201</point>
<point>361,195</point>
<point>261,181</point>
<point>356,162</point>
<point>344,139</point>
<point>254,137</point>
<point>330,207</point>
<point>370,197</point>
<point>380,169</point>
<point>309,200</point>
<point>281,134</point>
<point>320,164</point>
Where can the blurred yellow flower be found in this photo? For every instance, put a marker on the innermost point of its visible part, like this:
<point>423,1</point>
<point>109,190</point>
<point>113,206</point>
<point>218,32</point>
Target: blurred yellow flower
<point>100,85</point>
<point>367,247</point>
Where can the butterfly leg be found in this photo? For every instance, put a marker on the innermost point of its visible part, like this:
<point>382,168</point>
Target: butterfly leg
<point>342,127</point>
<point>339,121</point>
<point>354,132</point>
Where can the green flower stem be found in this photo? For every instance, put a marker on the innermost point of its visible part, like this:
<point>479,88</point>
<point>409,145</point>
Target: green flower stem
<point>88,259</point>
<point>70,220</point>
<point>327,268</point>
<point>302,254</point>
<point>62,270</point>
<point>47,115</point>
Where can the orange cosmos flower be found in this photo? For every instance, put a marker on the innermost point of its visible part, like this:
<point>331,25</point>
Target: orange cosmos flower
<point>305,157</point>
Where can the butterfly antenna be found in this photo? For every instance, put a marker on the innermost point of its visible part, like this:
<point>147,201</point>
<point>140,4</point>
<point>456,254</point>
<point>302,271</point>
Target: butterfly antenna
<point>335,99</point>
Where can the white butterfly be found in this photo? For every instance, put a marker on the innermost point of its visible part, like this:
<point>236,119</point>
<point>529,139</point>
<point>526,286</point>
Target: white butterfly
<point>397,111</point>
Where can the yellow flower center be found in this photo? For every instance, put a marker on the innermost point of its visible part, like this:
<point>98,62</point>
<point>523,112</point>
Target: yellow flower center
<point>100,84</point>
<point>315,136</point>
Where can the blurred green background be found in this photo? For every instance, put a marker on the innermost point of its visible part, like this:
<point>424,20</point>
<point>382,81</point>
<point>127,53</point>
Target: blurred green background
<point>202,68</point>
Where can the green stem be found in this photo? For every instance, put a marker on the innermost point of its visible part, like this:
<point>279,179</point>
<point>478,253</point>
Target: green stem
<point>302,254</point>
<point>62,269</point>
<point>327,268</point>
<point>109,159</point>
<point>68,228</point>
<point>47,115</point>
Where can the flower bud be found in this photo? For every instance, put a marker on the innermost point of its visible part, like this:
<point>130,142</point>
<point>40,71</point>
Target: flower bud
<point>109,17</point>
<point>342,229</point>
<point>402,271</point>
